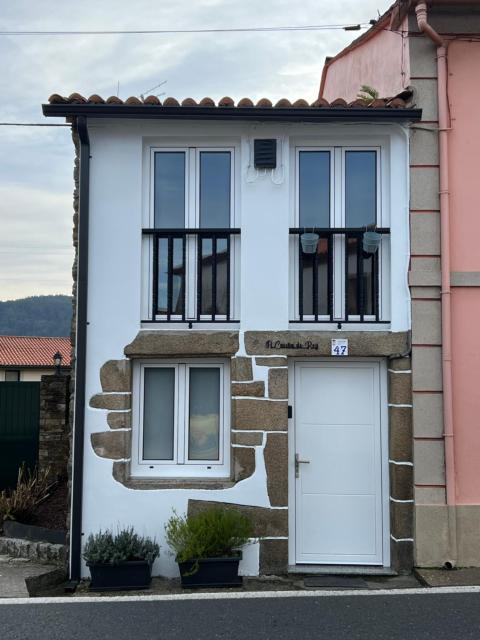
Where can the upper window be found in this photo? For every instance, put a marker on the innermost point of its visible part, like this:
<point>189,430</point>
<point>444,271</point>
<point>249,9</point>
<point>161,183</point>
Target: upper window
<point>338,199</point>
<point>182,411</point>
<point>192,239</point>
<point>12,375</point>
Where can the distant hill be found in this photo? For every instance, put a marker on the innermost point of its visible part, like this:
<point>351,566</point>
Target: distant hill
<point>36,316</point>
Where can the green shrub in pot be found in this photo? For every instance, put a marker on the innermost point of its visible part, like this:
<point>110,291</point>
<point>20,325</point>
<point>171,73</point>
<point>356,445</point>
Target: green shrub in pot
<point>120,561</point>
<point>209,543</point>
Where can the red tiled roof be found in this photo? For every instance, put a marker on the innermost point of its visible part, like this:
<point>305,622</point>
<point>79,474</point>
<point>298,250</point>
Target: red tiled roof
<point>77,99</point>
<point>32,351</point>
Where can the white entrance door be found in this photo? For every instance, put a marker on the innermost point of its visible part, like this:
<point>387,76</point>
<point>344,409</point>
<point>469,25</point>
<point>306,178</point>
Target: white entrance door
<point>338,479</point>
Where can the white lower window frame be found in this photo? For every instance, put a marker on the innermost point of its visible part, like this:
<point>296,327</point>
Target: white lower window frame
<point>180,466</point>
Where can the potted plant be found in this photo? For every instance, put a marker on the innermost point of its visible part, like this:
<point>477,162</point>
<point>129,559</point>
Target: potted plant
<point>371,241</point>
<point>120,561</point>
<point>309,242</point>
<point>207,546</point>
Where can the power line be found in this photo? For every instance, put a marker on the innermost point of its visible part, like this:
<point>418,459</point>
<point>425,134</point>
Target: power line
<point>107,32</point>
<point>32,124</point>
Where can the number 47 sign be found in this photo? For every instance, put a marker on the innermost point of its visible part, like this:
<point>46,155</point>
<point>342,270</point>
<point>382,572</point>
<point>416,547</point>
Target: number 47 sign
<point>340,347</point>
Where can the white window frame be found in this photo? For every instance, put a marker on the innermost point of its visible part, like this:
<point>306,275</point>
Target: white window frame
<point>180,466</point>
<point>192,221</point>
<point>338,219</point>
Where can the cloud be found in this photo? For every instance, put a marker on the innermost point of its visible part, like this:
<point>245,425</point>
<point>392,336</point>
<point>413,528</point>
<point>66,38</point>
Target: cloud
<point>36,251</point>
<point>36,164</point>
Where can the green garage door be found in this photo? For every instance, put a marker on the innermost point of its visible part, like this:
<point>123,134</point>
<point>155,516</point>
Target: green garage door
<point>19,419</point>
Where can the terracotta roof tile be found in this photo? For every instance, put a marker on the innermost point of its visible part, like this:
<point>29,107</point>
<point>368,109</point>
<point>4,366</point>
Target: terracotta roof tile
<point>114,100</point>
<point>264,103</point>
<point>283,104</point>
<point>395,102</point>
<point>339,102</point>
<point>300,104</point>
<point>226,102</point>
<point>133,100</point>
<point>171,102</point>
<point>32,351</point>
<point>320,102</point>
<point>245,102</point>
<point>96,99</point>
<point>76,98</point>
<point>151,100</point>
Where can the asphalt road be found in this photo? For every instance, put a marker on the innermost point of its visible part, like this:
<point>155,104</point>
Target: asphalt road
<point>389,617</point>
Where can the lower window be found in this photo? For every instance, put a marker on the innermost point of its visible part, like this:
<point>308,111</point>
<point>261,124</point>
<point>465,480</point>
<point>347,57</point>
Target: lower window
<point>181,426</point>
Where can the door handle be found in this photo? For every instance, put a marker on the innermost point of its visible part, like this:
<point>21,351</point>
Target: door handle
<point>298,462</point>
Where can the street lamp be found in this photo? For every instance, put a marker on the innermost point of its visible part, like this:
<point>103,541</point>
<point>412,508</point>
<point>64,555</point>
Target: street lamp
<point>57,359</point>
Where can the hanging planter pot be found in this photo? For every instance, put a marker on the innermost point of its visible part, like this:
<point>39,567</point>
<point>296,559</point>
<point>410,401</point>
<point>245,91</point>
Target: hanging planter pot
<point>371,241</point>
<point>309,242</point>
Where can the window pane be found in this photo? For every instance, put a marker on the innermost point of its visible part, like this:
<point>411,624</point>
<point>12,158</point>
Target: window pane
<point>12,376</point>
<point>178,277</point>
<point>204,414</point>
<point>208,287</point>
<point>314,188</point>
<point>158,413</point>
<point>360,289</point>
<point>169,194</point>
<point>316,262</point>
<point>360,188</point>
<point>162,275</point>
<point>215,189</point>
<point>178,274</point>
<point>222,268</point>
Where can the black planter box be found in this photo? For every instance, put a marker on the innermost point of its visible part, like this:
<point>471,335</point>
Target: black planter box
<point>135,574</point>
<point>13,529</point>
<point>211,572</point>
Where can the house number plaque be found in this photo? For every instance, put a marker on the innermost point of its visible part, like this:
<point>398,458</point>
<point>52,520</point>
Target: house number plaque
<point>339,347</point>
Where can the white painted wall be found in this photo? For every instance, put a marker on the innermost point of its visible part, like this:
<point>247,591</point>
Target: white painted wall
<point>118,201</point>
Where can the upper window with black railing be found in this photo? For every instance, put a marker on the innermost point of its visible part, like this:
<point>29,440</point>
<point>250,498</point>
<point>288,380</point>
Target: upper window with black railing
<point>340,247</point>
<point>193,244</point>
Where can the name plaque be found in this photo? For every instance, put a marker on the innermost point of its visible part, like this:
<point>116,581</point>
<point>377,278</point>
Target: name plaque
<point>297,346</point>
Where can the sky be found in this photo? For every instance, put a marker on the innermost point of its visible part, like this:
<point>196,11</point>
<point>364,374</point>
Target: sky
<point>36,163</point>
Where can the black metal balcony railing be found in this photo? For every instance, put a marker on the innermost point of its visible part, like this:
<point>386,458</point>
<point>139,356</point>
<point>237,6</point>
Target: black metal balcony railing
<point>316,278</point>
<point>172,280</point>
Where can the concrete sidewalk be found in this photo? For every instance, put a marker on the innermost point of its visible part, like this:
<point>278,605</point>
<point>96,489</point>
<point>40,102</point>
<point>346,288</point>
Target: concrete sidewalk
<point>463,577</point>
<point>294,582</point>
<point>22,578</point>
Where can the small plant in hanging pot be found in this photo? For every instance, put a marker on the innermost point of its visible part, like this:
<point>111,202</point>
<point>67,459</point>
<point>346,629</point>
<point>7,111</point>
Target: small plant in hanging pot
<point>207,546</point>
<point>309,242</point>
<point>371,241</point>
<point>120,561</point>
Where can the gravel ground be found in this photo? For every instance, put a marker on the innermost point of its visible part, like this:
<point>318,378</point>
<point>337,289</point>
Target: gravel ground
<point>162,586</point>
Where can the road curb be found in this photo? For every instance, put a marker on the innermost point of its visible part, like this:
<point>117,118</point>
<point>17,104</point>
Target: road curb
<point>242,595</point>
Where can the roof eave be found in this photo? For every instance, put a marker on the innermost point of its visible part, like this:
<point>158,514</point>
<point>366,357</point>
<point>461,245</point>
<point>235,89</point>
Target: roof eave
<point>270,114</point>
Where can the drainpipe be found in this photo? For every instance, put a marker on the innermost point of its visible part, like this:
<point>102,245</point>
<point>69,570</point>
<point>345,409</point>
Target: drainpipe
<point>444,127</point>
<point>80,355</point>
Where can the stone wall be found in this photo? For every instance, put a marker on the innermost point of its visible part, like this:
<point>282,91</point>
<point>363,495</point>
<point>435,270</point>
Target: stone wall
<point>54,432</point>
<point>425,287</point>
<point>259,423</point>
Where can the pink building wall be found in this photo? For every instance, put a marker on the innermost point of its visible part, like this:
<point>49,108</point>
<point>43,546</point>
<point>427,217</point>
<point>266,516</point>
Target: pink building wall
<point>381,61</point>
<point>464,169</point>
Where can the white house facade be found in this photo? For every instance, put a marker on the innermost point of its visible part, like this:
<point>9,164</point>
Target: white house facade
<point>218,358</point>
